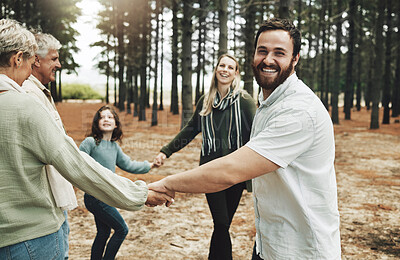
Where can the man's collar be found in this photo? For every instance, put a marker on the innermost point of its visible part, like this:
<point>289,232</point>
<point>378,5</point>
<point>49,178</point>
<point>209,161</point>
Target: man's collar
<point>277,92</point>
<point>37,82</point>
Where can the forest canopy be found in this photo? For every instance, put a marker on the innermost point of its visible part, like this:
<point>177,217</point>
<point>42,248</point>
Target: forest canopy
<point>350,48</point>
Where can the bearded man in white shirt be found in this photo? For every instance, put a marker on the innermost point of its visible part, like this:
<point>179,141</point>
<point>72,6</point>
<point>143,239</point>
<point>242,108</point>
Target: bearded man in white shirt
<point>290,157</point>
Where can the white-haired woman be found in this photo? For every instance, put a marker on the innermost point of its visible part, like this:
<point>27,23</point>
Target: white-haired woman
<point>224,116</point>
<point>30,221</point>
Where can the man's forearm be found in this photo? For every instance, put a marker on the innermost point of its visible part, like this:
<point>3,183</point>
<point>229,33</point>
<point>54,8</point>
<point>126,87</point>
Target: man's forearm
<point>219,174</point>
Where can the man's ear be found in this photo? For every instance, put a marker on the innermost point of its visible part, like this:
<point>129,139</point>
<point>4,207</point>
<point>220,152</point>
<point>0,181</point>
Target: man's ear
<point>296,59</point>
<point>37,61</point>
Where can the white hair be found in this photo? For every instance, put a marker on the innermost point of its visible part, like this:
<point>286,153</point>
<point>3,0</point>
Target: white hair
<point>14,38</point>
<point>46,42</point>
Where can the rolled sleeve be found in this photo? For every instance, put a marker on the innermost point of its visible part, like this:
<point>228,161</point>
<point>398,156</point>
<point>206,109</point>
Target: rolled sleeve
<point>283,138</point>
<point>55,148</point>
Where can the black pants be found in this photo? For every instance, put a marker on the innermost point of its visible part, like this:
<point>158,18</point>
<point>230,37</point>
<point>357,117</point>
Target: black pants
<point>223,206</point>
<point>255,256</point>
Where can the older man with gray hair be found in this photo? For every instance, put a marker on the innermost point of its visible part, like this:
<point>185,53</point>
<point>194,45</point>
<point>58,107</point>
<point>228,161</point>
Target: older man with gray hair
<point>43,71</point>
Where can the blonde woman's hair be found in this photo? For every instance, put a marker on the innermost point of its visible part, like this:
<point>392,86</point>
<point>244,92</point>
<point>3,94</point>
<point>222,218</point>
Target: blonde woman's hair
<point>14,38</point>
<point>212,92</point>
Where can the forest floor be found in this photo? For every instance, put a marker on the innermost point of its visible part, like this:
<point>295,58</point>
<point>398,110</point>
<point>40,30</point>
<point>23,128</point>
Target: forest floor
<point>368,175</point>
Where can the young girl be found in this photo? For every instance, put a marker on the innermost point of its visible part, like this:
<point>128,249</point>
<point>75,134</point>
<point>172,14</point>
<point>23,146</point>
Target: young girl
<point>224,116</point>
<point>102,146</point>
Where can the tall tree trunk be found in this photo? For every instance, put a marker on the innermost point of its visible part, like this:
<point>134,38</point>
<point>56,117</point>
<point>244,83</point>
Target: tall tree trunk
<point>187,101</point>
<point>129,87</point>
<point>378,66</point>
<point>136,94</point>
<point>201,42</point>
<point>349,67</point>
<point>235,14</point>
<point>249,36</point>
<point>284,9</point>
<point>317,54</point>
<point>174,61</point>
<point>300,10</point>
<point>108,69</point>
<point>388,73</point>
<point>299,20</point>
<point>338,54</point>
<point>328,84</point>
<point>324,55</point>
<point>60,98</point>
<point>115,50</point>
<point>370,81</point>
<point>53,90</point>
<point>121,57</point>
<point>154,118</point>
<point>143,66</point>
<point>309,64</point>
<point>161,107</point>
<point>223,26</point>
<point>107,88</point>
<point>396,85</point>
<point>358,57</point>
<point>214,39</point>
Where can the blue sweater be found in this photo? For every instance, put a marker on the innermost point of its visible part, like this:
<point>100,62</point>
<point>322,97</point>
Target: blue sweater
<point>109,154</point>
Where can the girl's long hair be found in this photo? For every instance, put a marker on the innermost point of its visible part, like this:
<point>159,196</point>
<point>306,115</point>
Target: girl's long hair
<point>97,134</point>
<point>212,92</point>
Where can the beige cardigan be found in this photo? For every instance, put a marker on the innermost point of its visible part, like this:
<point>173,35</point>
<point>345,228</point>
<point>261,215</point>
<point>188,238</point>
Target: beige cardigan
<point>30,139</point>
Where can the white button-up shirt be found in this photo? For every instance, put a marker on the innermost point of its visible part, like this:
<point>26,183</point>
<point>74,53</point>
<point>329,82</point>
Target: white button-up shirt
<point>296,207</point>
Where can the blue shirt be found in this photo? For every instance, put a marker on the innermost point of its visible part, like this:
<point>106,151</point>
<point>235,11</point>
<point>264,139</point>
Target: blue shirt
<point>109,154</point>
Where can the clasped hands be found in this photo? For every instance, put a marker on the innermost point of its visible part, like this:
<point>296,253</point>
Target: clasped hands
<point>158,193</point>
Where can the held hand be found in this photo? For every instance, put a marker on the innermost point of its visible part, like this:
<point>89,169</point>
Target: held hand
<point>156,198</point>
<point>159,186</point>
<point>159,160</point>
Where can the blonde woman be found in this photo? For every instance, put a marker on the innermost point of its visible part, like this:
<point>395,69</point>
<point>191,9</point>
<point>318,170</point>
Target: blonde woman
<point>224,116</point>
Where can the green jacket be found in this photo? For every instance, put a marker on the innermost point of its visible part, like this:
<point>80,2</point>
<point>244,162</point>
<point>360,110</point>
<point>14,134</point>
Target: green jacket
<point>220,122</point>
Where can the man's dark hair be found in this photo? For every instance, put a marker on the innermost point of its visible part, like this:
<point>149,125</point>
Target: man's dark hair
<point>281,24</point>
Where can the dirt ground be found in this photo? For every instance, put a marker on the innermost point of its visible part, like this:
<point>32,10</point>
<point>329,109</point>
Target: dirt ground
<point>368,176</point>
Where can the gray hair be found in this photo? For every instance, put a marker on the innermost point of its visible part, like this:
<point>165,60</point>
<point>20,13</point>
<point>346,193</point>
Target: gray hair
<point>46,42</point>
<point>14,38</point>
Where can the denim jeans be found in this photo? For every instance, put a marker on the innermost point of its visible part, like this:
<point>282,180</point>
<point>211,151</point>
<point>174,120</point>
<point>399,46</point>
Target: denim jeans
<point>65,228</point>
<point>49,247</point>
<point>223,205</point>
<point>106,218</point>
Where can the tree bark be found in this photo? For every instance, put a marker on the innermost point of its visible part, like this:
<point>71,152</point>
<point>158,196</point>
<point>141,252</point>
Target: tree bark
<point>121,56</point>
<point>284,9</point>
<point>187,101</point>
<point>143,66</point>
<point>154,119</point>
<point>387,74</point>
<point>201,42</point>
<point>336,77</point>
<point>223,27</point>
<point>174,61</point>
<point>378,67</point>
<point>349,67</point>
<point>249,36</point>
<point>396,85</point>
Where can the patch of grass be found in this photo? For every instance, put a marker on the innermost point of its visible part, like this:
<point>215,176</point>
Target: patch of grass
<point>79,91</point>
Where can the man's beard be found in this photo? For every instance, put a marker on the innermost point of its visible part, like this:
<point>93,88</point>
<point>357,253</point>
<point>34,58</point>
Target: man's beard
<point>282,75</point>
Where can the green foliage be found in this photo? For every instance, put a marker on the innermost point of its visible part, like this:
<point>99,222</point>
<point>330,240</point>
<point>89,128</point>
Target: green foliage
<point>55,17</point>
<point>79,91</point>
